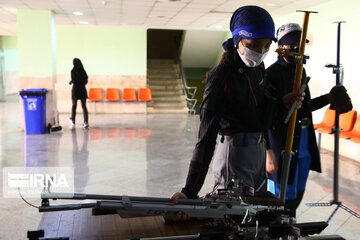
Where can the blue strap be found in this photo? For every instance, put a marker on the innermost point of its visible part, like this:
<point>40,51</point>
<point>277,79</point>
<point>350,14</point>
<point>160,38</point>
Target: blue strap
<point>245,140</point>
<point>253,31</point>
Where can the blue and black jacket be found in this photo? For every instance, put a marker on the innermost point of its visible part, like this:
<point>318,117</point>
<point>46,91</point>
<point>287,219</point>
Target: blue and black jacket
<point>280,75</point>
<point>234,101</point>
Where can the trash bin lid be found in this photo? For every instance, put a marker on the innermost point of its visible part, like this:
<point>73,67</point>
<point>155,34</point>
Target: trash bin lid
<point>33,92</point>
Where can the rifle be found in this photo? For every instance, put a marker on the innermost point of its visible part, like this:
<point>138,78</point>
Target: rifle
<point>259,217</point>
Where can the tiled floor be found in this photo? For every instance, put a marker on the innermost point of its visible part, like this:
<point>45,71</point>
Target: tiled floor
<point>145,156</point>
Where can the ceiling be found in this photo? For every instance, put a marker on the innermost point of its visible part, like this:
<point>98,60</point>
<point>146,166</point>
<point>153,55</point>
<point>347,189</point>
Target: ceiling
<point>165,14</point>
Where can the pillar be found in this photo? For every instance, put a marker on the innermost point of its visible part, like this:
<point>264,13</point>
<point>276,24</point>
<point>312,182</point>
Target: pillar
<point>37,54</point>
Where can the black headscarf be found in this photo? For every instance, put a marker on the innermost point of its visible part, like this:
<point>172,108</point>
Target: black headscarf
<point>79,70</point>
<point>78,65</point>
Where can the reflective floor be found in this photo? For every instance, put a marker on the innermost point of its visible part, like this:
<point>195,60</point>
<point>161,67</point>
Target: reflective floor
<point>144,155</point>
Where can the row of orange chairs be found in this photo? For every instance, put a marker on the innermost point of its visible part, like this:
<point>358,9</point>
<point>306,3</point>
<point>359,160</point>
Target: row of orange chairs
<point>113,95</point>
<point>349,124</point>
<point>98,133</point>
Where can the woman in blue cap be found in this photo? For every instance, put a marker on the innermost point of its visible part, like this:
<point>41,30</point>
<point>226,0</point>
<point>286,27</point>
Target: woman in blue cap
<point>236,108</point>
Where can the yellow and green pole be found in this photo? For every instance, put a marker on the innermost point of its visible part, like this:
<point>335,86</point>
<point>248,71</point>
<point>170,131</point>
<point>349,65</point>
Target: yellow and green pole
<point>287,155</point>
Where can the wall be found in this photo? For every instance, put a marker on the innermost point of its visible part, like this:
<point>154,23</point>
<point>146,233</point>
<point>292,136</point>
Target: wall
<point>221,49</point>
<point>201,48</point>
<point>112,57</point>
<point>323,50</point>
<point>36,49</point>
<point>37,54</point>
<point>200,56</point>
<point>11,59</point>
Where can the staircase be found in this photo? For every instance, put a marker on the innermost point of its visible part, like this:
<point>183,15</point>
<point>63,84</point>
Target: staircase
<point>166,87</point>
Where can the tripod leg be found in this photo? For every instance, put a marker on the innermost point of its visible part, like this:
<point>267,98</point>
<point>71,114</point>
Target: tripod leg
<point>355,214</point>
<point>333,213</point>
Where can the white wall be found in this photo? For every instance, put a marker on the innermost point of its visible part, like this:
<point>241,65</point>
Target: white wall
<point>201,48</point>
<point>323,50</point>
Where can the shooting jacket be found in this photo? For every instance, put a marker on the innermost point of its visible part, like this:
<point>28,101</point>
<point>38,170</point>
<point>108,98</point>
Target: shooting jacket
<point>234,101</point>
<point>280,76</point>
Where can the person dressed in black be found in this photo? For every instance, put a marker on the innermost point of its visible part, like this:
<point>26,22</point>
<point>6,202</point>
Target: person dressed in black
<point>280,75</point>
<point>236,108</point>
<point>79,79</point>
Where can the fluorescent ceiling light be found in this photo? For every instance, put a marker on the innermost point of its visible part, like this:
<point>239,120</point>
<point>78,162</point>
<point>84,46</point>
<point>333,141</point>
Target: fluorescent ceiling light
<point>77,13</point>
<point>219,26</point>
<point>84,22</point>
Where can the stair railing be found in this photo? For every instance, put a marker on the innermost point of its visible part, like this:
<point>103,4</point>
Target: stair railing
<point>189,91</point>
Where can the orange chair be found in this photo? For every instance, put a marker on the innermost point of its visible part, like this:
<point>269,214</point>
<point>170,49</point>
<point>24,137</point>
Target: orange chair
<point>327,123</point>
<point>95,133</point>
<point>357,139</point>
<point>347,121</point>
<point>144,132</point>
<point>354,132</point>
<point>129,133</point>
<point>112,94</point>
<point>129,95</point>
<point>113,133</point>
<point>145,94</point>
<point>95,95</point>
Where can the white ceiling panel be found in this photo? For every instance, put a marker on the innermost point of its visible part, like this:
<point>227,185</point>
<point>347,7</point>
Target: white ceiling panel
<point>184,17</point>
<point>232,5</point>
<point>185,14</point>
<point>136,4</point>
<point>107,23</point>
<point>169,4</point>
<point>13,5</point>
<point>7,30</point>
<point>106,13</point>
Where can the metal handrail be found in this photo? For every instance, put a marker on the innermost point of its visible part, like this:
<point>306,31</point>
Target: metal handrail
<point>190,91</point>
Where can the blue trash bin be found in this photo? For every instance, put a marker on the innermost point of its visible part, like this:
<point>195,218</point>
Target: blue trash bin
<point>34,100</point>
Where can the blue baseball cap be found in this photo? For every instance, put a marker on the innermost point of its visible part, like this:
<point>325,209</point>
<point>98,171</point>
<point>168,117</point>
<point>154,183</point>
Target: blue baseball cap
<point>251,22</point>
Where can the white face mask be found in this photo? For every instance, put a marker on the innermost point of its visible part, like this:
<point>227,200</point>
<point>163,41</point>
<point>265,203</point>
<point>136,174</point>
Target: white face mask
<point>252,58</point>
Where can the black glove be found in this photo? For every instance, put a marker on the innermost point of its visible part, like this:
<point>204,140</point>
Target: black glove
<point>339,99</point>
